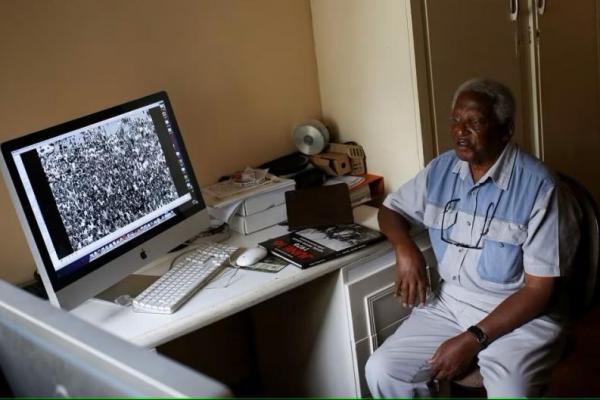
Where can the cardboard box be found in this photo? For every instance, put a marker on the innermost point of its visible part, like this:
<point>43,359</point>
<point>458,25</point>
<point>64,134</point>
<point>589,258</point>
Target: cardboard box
<point>264,201</point>
<point>355,153</point>
<point>332,163</point>
<point>257,221</point>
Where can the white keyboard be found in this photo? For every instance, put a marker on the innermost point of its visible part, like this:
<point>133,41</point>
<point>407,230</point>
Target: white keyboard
<point>189,273</point>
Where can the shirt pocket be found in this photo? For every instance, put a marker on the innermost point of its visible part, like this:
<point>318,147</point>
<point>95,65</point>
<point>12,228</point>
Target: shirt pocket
<point>434,217</point>
<point>501,260</point>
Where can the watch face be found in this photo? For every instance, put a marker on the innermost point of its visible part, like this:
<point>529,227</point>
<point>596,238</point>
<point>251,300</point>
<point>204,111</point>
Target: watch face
<point>480,336</point>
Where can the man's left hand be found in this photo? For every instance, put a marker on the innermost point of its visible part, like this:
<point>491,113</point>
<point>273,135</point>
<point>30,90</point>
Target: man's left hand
<point>454,356</point>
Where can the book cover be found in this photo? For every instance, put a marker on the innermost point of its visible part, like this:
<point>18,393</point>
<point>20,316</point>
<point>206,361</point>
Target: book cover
<point>313,246</point>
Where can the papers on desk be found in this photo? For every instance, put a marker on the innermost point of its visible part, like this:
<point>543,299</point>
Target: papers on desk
<point>233,188</point>
<point>350,180</point>
<point>224,212</point>
<point>360,192</point>
<point>270,263</point>
<point>224,199</point>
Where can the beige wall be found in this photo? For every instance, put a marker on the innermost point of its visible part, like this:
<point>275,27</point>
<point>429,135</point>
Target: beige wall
<point>368,81</point>
<point>240,75</point>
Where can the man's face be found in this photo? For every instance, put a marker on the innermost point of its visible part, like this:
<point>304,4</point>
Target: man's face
<point>477,136</point>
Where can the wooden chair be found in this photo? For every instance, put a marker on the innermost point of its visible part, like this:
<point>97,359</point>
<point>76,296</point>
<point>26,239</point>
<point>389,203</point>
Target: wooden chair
<point>583,290</point>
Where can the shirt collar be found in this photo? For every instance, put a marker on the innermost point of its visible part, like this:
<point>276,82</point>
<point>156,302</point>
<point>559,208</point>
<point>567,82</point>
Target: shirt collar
<point>499,172</point>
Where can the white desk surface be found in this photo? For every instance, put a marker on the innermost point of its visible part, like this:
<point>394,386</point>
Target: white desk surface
<point>209,305</point>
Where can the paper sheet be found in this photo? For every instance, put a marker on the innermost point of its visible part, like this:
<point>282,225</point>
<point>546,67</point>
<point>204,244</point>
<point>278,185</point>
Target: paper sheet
<point>224,212</point>
<point>350,180</point>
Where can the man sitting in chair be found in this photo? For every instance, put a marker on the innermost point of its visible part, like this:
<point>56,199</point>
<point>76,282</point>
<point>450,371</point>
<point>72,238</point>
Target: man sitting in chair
<point>493,217</point>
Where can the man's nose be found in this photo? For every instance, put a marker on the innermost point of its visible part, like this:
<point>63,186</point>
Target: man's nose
<point>460,128</point>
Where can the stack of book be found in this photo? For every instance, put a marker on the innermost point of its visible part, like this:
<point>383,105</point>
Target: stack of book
<point>365,188</point>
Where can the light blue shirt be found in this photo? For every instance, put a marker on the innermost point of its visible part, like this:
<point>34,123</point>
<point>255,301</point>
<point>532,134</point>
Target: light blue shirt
<point>496,229</point>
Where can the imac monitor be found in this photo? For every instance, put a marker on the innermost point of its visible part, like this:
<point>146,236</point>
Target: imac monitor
<point>103,195</point>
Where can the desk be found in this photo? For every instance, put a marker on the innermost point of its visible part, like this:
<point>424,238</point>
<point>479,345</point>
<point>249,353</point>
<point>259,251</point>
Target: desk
<point>339,325</point>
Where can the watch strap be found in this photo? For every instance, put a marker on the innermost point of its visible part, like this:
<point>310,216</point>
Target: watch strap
<point>479,335</point>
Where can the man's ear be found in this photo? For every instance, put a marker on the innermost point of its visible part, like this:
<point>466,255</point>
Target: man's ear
<point>508,132</point>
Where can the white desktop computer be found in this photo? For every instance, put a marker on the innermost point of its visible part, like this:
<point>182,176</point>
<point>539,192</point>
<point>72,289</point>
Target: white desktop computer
<point>101,196</point>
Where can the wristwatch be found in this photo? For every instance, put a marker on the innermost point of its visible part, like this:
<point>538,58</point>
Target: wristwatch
<point>479,335</point>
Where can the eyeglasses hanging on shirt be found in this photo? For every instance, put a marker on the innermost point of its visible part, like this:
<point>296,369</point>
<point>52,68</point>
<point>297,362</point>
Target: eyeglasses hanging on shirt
<point>489,216</point>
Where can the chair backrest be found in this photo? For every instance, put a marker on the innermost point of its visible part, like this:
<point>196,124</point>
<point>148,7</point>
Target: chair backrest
<point>584,274</point>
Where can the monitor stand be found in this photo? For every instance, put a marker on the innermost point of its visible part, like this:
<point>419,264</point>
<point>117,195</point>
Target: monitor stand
<point>135,284</point>
<point>130,286</point>
<point>36,287</point>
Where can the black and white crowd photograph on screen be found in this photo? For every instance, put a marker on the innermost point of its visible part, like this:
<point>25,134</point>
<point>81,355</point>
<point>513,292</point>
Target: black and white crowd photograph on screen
<point>107,177</point>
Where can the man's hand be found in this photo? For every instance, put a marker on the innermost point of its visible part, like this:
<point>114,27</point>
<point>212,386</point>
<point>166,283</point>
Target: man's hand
<point>411,282</point>
<point>454,357</point>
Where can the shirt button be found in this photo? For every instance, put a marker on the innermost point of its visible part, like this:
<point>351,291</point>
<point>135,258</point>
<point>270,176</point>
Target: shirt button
<point>501,244</point>
<point>468,223</point>
<point>460,250</point>
<point>454,278</point>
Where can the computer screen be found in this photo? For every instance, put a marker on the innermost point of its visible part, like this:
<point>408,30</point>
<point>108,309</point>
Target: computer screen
<point>47,352</point>
<point>101,196</point>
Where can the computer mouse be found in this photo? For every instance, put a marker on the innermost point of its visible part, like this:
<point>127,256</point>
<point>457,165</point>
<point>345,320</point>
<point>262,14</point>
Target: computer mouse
<point>251,256</point>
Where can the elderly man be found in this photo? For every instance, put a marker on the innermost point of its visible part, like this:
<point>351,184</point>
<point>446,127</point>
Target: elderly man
<point>493,217</point>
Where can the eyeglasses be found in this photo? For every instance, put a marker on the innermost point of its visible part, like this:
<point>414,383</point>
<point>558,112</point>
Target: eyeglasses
<point>484,229</point>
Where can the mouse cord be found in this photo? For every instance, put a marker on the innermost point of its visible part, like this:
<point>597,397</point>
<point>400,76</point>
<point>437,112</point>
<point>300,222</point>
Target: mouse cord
<point>235,267</point>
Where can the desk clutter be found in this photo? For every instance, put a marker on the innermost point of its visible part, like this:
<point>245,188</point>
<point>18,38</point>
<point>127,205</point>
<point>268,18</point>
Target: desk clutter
<point>106,215</point>
<point>250,208</point>
<point>281,189</point>
<point>312,190</point>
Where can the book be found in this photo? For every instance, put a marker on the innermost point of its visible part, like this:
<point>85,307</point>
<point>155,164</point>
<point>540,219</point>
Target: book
<point>376,187</point>
<point>359,192</point>
<point>350,180</point>
<point>360,195</point>
<point>312,246</point>
<point>363,188</point>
